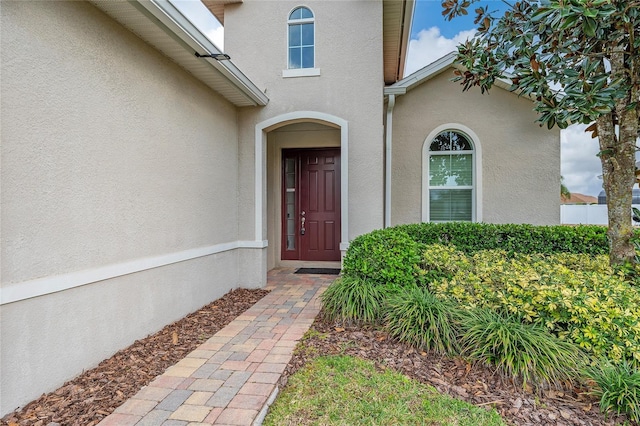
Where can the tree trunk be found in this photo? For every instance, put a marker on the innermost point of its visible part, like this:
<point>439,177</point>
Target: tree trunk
<point>618,166</point>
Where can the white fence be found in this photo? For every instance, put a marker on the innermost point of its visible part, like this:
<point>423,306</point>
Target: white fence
<point>589,214</point>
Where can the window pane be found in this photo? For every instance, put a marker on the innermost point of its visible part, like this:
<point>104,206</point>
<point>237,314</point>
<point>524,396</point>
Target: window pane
<point>291,197</point>
<point>459,142</point>
<point>294,57</point>
<point>450,204</point>
<point>307,57</point>
<point>440,143</point>
<point>291,242</point>
<point>305,13</point>
<point>295,35</point>
<point>450,141</point>
<point>290,165</point>
<point>307,34</point>
<point>296,14</point>
<point>451,170</point>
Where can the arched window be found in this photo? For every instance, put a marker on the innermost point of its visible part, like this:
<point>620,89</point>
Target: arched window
<point>301,39</point>
<point>451,178</point>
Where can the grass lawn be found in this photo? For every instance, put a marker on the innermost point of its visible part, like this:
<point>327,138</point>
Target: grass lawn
<point>344,390</point>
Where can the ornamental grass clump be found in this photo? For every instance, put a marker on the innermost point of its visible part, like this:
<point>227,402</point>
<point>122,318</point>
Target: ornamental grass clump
<point>618,388</point>
<point>518,350</point>
<point>417,317</point>
<point>355,300</point>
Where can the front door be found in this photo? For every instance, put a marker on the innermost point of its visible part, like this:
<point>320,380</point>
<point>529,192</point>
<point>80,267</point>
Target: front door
<point>311,204</point>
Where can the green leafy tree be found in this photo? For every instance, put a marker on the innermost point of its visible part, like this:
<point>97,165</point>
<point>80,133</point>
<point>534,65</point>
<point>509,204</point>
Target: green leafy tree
<point>578,61</point>
<point>564,191</point>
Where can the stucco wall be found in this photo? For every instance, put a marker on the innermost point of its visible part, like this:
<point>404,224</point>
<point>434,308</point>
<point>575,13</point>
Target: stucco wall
<point>520,159</point>
<point>349,56</point>
<point>114,161</point>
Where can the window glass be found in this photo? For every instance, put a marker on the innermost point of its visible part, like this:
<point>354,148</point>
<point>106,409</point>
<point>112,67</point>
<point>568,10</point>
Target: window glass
<point>451,182</point>
<point>301,49</point>
<point>450,205</point>
<point>451,170</point>
<point>307,34</point>
<point>450,141</point>
<point>300,13</point>
<point>295,35</point>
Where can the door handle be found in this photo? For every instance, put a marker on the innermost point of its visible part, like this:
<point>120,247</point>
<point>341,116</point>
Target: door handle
<point>302,221</point>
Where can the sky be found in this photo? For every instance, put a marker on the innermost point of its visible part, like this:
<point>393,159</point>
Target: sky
<point>431,38</point>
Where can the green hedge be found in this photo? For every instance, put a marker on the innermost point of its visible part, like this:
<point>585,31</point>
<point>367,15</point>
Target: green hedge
<point>528,239</point>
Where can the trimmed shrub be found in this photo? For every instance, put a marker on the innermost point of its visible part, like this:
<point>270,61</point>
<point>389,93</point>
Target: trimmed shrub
<point>618,388</point>
<point>471,237</point>
<point>440,261</point>
<point>576,297</point>
<point>416,317</point>
<point>354,300</point>
<point>383,257</point>
<point>526,351</point>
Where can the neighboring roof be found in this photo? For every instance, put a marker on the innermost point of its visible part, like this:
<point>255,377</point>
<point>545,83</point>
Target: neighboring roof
<point>577,198</point>
<point>396,28</point>
<point>430,71</point>
<point>163,26</point>
<point>217,7</point>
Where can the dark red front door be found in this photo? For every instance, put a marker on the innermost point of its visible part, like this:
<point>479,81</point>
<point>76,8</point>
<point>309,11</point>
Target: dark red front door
<point>311,204</point>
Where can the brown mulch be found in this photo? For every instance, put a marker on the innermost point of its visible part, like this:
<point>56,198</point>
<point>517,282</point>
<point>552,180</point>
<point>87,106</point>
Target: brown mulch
<point>93,395</point>
<point>476,384</point>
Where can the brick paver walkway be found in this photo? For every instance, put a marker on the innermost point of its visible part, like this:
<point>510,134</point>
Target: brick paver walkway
<point>231,378</point>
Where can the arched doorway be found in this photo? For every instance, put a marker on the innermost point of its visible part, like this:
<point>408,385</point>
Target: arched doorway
<point>301,187</point>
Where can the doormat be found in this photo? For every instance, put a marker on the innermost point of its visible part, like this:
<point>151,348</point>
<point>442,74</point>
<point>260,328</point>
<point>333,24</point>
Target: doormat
<point>324,271</point>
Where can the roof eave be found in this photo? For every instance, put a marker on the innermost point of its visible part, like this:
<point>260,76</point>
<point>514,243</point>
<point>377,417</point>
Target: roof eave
<point>397,19</point>
<point>176,26</point>
<point>437,67</point>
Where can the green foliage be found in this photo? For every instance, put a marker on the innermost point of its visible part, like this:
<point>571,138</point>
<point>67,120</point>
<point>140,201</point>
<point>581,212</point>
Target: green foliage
<point>618,388</point>
<point>527,351</point>
<point>577,297</point>
<point>440,261</point>
<point>343,390</point>
<point>383,257</point>
<point>355,300</point>
<point>578,62</point>
<point>514,238</point>
<point>417,317</point>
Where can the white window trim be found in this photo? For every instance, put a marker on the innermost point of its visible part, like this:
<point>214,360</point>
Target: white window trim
<point>300,72</point>
<point>315,71</point>
<point>476,212</point>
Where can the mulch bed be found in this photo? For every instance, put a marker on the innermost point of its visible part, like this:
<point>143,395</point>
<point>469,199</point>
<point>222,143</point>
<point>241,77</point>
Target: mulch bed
<point>96,393</point>
<point>476,384</point>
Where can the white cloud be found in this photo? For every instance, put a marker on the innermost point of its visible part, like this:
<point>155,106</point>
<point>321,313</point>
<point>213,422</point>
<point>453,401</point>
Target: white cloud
<point>430,46</point>
<point>216,35</point>
<point>204,20</point>
<point>579,164</point>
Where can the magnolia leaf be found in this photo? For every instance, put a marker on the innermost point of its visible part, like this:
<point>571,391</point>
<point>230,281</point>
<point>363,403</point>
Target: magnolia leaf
<point>593,128</point>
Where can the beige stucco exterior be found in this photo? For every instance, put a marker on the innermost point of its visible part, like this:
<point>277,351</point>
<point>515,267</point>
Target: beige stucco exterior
<point>519,163</point>
<point>117,167</point>
<point>134,193</point>
<point>349,87</point>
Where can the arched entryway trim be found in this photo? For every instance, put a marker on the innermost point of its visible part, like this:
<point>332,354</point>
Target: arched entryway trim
<point>266,126</point>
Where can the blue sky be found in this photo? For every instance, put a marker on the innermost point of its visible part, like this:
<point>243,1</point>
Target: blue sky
<point>433,37</point>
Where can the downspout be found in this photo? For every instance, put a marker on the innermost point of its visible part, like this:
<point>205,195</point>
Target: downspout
<point>387,164</point>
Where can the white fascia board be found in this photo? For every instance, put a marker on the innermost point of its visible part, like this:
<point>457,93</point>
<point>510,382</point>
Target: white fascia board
<point>435,68</point>
<point>171,18</point>
<point>423,74</point>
